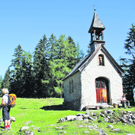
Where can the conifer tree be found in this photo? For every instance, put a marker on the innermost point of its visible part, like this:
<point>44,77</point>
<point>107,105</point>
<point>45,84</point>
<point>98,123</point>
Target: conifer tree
<point>42,76</point>
<point>27,75</point>
<point>52,56</point>
<point>65,58</point>
<point>40,68</point>
<point>75,53</point>
<point>128,64</point>
<point>6,80</point>
<point>16,78</point>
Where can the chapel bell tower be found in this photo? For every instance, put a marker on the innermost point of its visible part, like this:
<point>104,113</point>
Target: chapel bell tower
<point>96,31</point>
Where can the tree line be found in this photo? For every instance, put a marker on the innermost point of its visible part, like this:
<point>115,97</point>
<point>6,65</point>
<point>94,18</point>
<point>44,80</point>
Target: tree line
<point>40,74</point>
<point>128,64</point>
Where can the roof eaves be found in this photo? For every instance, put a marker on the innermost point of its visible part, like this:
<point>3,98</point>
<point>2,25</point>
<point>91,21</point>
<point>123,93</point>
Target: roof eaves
<point>76,68</point>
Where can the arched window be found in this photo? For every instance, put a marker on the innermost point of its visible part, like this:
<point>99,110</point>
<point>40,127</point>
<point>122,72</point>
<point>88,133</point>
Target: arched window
<point>101,60</point>
<point>69,86</point>
<point>72,89</point>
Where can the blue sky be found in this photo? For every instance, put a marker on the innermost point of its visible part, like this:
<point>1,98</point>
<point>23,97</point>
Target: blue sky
<point>25,22</point>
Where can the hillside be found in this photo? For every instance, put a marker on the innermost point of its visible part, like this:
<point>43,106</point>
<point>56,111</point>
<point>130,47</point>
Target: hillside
<point>42,116</point>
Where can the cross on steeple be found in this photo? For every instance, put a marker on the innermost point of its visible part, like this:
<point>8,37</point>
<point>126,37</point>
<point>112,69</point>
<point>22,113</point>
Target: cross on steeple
<point>94,7</point>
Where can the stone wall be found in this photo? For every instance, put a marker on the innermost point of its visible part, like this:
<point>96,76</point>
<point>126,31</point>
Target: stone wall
<point>84,92</point>
<point>93,71</point>
<point>72,100</point>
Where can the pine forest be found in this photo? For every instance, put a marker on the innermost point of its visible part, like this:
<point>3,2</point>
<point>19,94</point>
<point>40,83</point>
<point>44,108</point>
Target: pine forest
<point>39,74</point>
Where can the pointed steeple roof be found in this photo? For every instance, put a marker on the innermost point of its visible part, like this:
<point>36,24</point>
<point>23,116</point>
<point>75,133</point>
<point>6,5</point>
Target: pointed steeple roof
<point>96,23</point>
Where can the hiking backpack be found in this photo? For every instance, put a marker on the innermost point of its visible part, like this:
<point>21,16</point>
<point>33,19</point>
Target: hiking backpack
<point>12,98</point>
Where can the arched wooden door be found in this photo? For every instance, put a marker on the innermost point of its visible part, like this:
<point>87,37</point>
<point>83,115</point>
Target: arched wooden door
<point>101,90</point>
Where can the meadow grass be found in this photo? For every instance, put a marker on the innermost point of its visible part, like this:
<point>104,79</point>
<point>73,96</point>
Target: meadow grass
<point>45,113</point>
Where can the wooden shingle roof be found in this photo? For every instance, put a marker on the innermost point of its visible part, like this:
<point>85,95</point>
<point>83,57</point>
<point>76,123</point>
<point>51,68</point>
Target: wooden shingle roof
<point>96,23</point>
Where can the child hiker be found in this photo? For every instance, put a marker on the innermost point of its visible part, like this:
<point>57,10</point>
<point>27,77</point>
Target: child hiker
<point>5,109</point>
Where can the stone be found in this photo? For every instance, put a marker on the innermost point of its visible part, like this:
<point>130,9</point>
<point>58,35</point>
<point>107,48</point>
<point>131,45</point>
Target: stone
<point>109,111</point>
<point>86,116</point>
<point>87,113</point>
<point>129,112</point>
<point>79,114</point>
<point>94,114</point>
<point>105,111</point>
<point>90,127</point>
<point>97,107</point>
<point>130,120</point>
<point>36,128</point>
<point>24,128</point>
<point>112,120</point>
<point>134,121</point>
<point>90,118</point>
<point>102,115</point>
<point>52,125</point>
<point>129,116</point>
<point>86,120</point>
<point>132,117</point>
<point>29,132</point>
<point>124,112</point>
<point>118,120</point>
<point>61,119</point>
<point>123,120</point>
<point>99,121</point>
<point>101,132</point>
<point>27,123</point>
<point>110,106</point>
<point>32,133</point>
<point>106,119</point>
<point>109,126</point>
<point>80,126</point>
<point>79,118</point>
<point>86,132</point>
<point>59,127</point>
<point>70,117</point>
<point>116,130</point>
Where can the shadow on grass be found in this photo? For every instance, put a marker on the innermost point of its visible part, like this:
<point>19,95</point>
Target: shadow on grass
<point>54,107</point>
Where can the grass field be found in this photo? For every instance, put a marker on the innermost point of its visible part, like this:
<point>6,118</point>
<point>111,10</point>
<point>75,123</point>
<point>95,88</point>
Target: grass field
<point>45,113</point>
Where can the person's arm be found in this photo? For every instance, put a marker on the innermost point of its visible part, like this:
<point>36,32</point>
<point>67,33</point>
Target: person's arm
<point>2,102</point>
